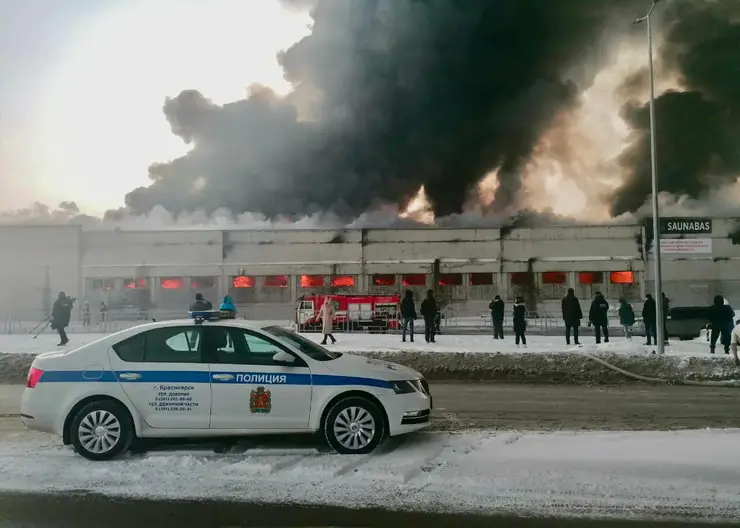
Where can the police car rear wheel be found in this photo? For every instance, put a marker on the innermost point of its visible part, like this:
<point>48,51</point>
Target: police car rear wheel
<point>101,430</point>
<point>354,426</point>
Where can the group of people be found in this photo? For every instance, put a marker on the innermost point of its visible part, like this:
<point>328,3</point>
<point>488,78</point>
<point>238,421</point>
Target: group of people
<point>598,317</point>
<point>86,315</point>
<point>428,312</point>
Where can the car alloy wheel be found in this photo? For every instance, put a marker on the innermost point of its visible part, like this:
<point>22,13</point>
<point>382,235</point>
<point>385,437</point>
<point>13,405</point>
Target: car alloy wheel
<point>99,432</point>
<point>102,430</point>
<point>354,426</point>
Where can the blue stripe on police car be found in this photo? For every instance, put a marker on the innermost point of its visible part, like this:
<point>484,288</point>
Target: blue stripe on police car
<point>189,376</point>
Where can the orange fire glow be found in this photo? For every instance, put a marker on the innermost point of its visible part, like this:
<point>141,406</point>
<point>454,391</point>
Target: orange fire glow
<point>419,209</point>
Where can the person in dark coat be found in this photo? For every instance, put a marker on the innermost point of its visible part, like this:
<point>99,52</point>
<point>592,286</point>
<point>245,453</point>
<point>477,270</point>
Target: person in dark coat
<point>520,321</point>
<point>497,316</point>
<point>200,304</point>
<point>408,315</point>
<point>626,317</point>
<point>666,307</point>
<point>598,315</point>
<point>61,313</point>
<point>429,313</point>
<point>572,315</point>
<point>649,319</point>
<point>720,317</point>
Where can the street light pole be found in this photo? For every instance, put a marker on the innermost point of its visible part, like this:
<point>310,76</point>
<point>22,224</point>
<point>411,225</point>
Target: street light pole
<point>658,274</point>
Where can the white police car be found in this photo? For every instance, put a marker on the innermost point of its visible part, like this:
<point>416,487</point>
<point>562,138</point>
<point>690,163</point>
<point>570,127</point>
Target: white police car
<point>190,378</point>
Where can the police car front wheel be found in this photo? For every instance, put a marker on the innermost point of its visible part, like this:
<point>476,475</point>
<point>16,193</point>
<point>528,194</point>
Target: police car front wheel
<point>354,426</point>
<point>101,430</point>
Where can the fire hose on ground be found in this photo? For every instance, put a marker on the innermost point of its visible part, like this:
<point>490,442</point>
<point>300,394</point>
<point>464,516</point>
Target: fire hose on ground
<point>667,381</point>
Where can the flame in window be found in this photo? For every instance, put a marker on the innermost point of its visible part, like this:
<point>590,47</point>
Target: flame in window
<point>243,281</point>
<point>622,277</point>
<point>171,284</point>
<point>312,281</point>
<point>345,281</point>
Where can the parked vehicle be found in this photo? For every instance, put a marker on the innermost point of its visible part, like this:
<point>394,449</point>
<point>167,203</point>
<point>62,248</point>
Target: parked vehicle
<point>208,377</point>
<point>372,312</point>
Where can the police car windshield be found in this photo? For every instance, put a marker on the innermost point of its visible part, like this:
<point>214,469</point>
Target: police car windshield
<point>308,347</point>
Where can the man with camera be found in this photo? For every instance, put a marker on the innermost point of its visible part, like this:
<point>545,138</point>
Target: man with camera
<point>61,313</point>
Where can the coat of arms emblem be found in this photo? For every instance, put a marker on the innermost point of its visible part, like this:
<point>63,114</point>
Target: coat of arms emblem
<point>260,401</point>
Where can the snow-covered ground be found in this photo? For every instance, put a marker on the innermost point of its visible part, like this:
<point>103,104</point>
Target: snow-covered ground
<point>695,473</point>
<point>25,344</point>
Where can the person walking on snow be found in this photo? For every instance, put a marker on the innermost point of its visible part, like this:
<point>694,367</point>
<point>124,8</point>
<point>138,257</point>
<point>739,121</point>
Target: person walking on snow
<point>720,317</point>
<point>497,316</point>
<point>326,314</point>
<point>61,313</point>
<point>572,315</point>
<point>408,315</point>
<point>598,315</point>
<point>520,321</point>
<point>626,317</point>
<point>429,313</point>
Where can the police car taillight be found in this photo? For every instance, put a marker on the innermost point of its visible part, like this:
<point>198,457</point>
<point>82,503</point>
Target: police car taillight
<point>34,375</point>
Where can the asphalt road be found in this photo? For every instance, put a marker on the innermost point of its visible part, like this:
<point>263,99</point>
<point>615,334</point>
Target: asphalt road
<point>461,406</point>
<point>92,511</point>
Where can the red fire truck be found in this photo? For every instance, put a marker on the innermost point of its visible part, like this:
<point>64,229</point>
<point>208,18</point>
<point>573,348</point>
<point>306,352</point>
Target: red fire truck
<point>376,313</point>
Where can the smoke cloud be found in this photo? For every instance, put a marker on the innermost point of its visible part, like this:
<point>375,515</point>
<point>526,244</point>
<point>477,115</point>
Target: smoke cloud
<point>401,93</point>
<point>698,129</point>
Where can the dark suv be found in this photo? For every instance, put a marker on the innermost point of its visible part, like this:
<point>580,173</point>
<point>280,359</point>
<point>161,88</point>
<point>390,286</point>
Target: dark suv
<point>684,322</point>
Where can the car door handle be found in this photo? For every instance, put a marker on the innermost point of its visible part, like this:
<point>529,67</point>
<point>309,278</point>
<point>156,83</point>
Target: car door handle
<point>223,377</point>
<point>129,376</point>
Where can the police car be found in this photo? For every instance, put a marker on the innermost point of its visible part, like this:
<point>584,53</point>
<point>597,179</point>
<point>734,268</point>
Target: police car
<point>207,376</point>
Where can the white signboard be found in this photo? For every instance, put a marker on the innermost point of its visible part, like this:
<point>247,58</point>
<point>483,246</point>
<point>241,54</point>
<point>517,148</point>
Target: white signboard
<point>686,246</point>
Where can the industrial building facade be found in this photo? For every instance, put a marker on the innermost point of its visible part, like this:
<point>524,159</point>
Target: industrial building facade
<point>266,272</point>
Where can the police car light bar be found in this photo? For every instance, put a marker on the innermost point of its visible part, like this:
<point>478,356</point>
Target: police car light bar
<point>205,315</point>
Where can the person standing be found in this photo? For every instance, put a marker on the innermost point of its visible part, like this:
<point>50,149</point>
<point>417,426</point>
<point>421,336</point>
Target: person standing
<point>735,341</point>
<point>227,308</point>
<point>649,319</point>
<point>408,315</point>
<point>326,314</point>
<point>429,313</point>
<point>200,304</point>
<point>520,321</point>
<point>103,311</point>
<point>497,316</point>
<point>598,315</point>
<point>61,313</point>
<point>666,307</point>
<point>720,317</point>
<point>85,313</point>
<point>572,315</point>
<point>626,317</point>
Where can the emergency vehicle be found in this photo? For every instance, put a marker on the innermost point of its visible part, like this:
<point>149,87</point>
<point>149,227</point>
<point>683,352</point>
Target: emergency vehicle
<point>373,312</point>
<point>212,377</point>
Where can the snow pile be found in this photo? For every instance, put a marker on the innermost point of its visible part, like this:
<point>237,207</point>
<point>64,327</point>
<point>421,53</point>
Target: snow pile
<point>618,475</point>
<point>454,357</point>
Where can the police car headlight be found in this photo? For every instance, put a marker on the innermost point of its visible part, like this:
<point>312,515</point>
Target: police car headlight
<point>403,387</point>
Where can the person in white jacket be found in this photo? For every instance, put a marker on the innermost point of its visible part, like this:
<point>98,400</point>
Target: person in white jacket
<point>326,314</point>
<point>735,341</point>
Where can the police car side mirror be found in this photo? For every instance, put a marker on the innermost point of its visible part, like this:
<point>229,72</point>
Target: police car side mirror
<point>283,357</point>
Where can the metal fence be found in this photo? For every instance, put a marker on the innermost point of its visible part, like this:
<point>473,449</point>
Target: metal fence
<point>452,321</point>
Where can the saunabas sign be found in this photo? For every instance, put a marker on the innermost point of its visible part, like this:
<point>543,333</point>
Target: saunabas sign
<point>685,226</point>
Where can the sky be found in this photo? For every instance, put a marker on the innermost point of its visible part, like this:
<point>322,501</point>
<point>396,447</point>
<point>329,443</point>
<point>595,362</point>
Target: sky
<point>83,80</point>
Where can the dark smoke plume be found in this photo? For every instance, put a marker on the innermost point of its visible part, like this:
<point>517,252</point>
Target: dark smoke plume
<point>411,92</point>
<point>697,130</point>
